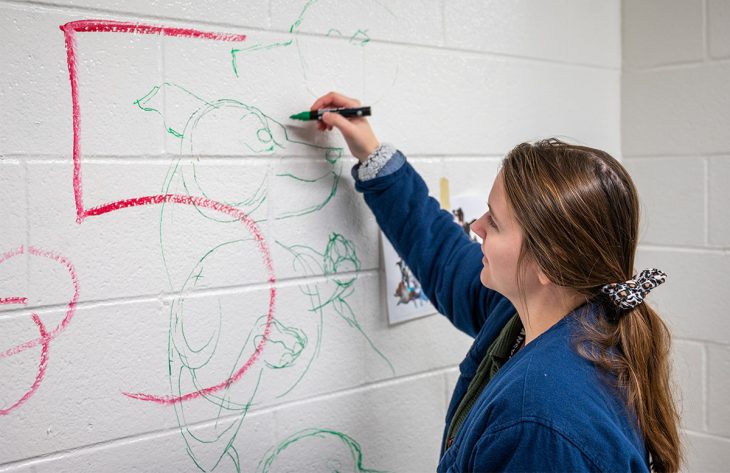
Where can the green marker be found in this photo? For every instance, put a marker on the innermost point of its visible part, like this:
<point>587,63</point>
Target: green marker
<point>345,112</point>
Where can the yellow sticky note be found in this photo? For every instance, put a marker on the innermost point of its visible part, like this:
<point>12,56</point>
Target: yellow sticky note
<point>444,194</point>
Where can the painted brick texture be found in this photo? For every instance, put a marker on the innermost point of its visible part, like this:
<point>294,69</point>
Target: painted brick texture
<point>171,297</point>
<point>674,123</point>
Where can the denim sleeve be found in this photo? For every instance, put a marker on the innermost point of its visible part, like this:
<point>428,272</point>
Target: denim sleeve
<point>442,257</point>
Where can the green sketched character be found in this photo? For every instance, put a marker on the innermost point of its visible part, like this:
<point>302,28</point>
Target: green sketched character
<point>315,451</point>
<point>205,341</point>
<point>205,347</point>
<point>340,264</point>
<point>227,127</point>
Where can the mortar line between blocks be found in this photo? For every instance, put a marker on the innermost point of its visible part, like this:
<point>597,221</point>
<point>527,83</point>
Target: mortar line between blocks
<point>142,17</point>
<point>705,33</point>
<point>442,4</point>
<point>269,12</point>
<point>676,66</point>
<point>166,296</point>
<point>383,383</point>
<point>649,156</point>
<point>27,220</point>
<point>699,341</point>
<point>161,433</point>
<point>706,197</point>
<point>706,435</point>
<point>705,388</point>
<point>685,249</point>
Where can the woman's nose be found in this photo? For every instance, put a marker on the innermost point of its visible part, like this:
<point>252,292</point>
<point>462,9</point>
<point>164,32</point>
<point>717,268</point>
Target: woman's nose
<point>479,228</point>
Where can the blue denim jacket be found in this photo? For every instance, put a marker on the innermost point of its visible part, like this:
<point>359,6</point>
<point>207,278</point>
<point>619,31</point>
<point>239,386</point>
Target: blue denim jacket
<point>547,409</point>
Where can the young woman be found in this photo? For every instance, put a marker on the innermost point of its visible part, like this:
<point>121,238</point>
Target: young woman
<point>569,367</point>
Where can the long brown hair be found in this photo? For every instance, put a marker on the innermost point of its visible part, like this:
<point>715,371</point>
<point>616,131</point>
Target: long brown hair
<point>579,212</point>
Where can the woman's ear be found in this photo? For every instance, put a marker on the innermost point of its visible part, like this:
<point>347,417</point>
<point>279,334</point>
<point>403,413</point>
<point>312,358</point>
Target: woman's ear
<point>542,278</point>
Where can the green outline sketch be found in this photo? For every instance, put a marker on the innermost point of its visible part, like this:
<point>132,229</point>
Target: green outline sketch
<point>270,137</point>
<point>185,359</point>
<point>352,453</point>
<point>190,352</point>
<point>340,265</point>
<point>359,37</point>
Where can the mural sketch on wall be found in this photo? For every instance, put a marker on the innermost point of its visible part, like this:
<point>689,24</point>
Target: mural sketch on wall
<point>198,360</point>
<point>249,231</point>
<point>248,227</point>
<point>45,336</point>
<point>185,381</point>
<point>227,124</point>
<point>340,264</point>
<point>252,132</point>
<point>192,365</point>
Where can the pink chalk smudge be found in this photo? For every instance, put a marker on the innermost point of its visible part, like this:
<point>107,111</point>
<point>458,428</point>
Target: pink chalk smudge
<point>112,26</point>
<point>11,253</point>
<point>45,338</point>
<point>13,300</point>
<point>263,247</point>
<point>45,342</point>
<point>71,306</point>
<point>107,26</point>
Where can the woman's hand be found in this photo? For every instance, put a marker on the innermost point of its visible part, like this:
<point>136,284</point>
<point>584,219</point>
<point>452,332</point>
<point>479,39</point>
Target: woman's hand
<point>357,132</point>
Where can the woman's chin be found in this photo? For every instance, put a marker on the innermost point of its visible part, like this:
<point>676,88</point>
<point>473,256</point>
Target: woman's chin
<point>485,279</point>
<point>488,281</point>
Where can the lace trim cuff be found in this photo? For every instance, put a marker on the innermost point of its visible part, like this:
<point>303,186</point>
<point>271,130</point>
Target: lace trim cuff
<point>375,162</point>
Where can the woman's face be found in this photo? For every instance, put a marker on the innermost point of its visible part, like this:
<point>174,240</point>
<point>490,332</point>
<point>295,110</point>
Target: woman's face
<point>502,240</point>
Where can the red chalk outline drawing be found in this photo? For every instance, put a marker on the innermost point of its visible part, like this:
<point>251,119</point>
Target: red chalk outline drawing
<point>41,368</point>
<point>45,338</point>
<point>13,300</point>
<point>107,26</point>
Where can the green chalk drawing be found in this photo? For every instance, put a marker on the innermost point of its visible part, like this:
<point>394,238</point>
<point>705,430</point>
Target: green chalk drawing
<point>199,345</point>
<point>194,352</point>
<point>255,47</point>
<point>349,28</point>
<point>340,264</point>
<point>190,362</point>
<point>315,450</point>
<point>250,132</point>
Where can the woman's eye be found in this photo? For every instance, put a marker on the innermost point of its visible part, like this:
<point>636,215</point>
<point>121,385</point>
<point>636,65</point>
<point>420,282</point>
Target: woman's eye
<point>490,222</point>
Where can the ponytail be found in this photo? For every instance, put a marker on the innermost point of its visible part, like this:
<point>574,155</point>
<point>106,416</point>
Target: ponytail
<point>634,346</point>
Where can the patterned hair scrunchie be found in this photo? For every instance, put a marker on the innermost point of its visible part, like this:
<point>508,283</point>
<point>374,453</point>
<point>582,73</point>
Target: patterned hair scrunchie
<point>629,294</point>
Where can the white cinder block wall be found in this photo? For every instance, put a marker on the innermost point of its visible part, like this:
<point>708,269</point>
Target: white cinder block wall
<point>128,296</point>
<point>674,125</point>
